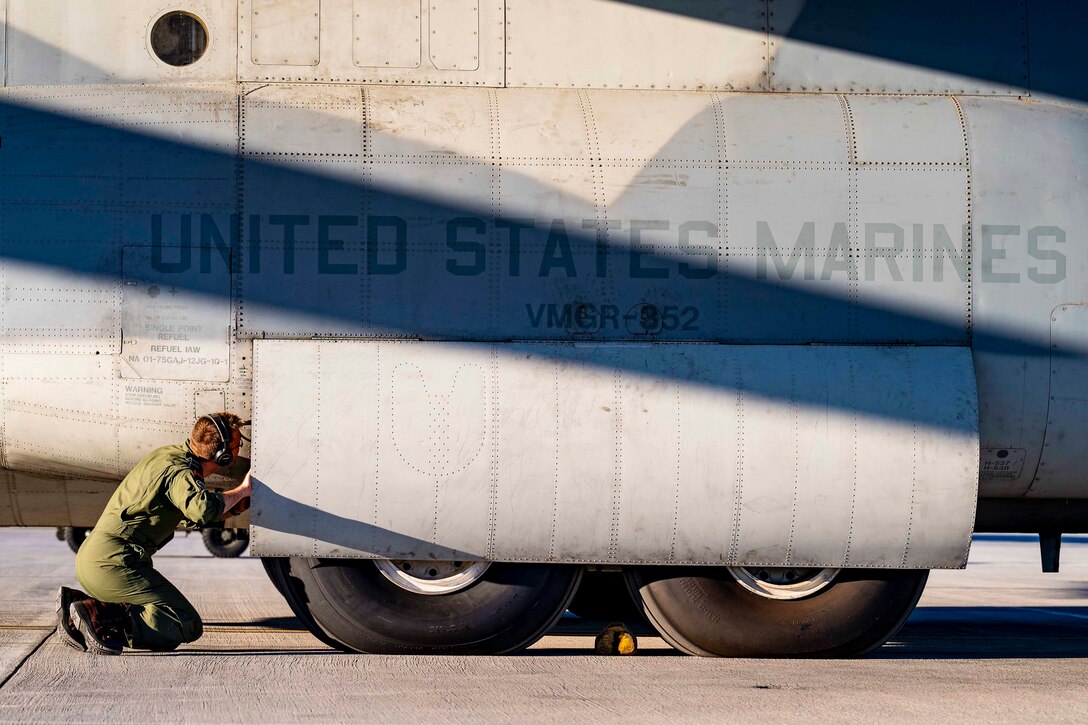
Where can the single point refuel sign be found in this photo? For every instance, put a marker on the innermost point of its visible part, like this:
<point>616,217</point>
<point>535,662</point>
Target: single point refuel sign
<point>176,325</point>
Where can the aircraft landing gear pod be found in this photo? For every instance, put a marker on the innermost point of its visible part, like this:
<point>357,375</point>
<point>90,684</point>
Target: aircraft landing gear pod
<point>762,500</point>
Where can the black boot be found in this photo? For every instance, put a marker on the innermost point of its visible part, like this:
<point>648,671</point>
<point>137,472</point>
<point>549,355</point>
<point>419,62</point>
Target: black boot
<point>66,630</point>
<point>98,623</point>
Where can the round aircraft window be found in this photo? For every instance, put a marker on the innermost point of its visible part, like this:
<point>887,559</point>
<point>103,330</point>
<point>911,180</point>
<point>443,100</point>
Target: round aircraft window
<point>179,38</point>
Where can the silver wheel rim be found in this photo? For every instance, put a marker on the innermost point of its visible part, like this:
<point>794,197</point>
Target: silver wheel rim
<point>431,578</point>
<point>783,582</point>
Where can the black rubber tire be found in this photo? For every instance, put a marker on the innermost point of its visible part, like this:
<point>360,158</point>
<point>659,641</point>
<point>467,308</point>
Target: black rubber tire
<point>74,536</point>
<point>279,572</point>
<point>507,609</point>
<point>218,545</point>
<point>273,568</point>
<point>704,611</point>
<point>603,596</point>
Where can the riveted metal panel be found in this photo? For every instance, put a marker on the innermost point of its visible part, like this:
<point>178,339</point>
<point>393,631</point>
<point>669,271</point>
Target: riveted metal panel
<point>620,45</point>
<point>416,126</point>
<point>78,43</point>
<point>73,416</point>
<point>302,121</point>
<point>285,32</point>
<point>1061,468</point>
<point>914,244</point>
<point>802,261</point>
<point>426,233</point>
<point>464,44</point>
<point>642,453</point>
<point>61,261</point>
<point>71,308</point>
<point>553,125</point>
<point>86,168</point>
<point>767,129</point>
<point>91,138</point>
<point>432,180</point>
<point>388,33</point>
<point>455,34</point>
<point>661,191</point>
<point>907,130</point>
<point>900,46</point>
<point>536,214</point>
<point>683,127</point>
<point>59,414</point>
<point>1029,207</point>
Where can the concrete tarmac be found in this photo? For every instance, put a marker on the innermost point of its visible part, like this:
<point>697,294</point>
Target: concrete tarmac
<point>999,642</point>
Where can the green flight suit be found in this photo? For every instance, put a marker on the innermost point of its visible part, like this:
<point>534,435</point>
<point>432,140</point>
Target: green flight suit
<point>164,490</point>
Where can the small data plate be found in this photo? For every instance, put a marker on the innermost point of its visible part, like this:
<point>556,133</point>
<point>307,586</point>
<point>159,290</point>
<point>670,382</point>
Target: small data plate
<point>1001,463</point>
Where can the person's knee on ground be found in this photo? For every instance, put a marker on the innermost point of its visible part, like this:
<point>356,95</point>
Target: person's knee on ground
<point>165,627</point>
<point>192,626</point>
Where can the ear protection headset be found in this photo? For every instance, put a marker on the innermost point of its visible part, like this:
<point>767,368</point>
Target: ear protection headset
<point>223,456</point>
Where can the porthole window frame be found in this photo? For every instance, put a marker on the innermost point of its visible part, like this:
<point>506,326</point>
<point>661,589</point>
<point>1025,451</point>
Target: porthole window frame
<point>191,12</point>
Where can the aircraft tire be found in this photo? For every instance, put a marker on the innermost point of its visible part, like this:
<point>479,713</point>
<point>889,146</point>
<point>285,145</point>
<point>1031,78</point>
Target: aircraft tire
<point>74,536</point>
<point>278,569</point>
<point>272,567</point>
<point>506,609</point>
<point>708,612</point>
<point>225,543</point>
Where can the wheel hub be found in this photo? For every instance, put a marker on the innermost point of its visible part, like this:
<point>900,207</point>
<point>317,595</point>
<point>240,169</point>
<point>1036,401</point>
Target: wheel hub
<point>783,582</point>
<point>431,577</point>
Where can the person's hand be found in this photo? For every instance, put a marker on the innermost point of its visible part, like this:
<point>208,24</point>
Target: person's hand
<point>246,488</point>
<point>236,496</point>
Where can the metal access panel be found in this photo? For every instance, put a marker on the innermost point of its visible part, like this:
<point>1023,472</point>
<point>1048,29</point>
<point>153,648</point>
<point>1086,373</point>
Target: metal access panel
<point>615,453</point>
<point>387,33</point>
<point>175,313</point>
<point>452,42</point>
<point>285,32</point>
<point>1061,468</point>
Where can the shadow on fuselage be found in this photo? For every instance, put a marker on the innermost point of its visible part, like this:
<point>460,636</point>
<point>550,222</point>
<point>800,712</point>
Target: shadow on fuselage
<point>369,260</point>
<point>992,41</point>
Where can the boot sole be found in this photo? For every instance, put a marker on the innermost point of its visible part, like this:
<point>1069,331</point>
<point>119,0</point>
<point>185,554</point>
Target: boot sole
<point>68,634</point>
<point>82,618</point>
